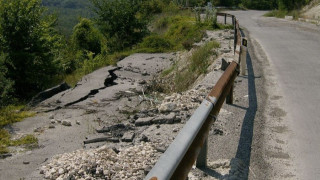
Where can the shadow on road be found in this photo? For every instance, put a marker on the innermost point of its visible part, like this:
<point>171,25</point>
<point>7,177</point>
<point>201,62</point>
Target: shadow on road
<point>242,158</point>
<point>245,142</point>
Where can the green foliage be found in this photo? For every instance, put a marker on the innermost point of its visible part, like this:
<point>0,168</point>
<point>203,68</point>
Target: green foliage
<point>86,37</point>
<point>6,85</point>
<point>148,7</point>
<point>29,41</point>
<point>120,22</point>
<point>182,29</point>
<point>156,42</point>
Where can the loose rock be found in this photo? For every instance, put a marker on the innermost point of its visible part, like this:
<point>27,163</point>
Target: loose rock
<point>66,123</point>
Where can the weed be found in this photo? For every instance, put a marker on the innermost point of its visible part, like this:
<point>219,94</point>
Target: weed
<point>276,13</point>
<point>11,114</point>
<point>198,64</point>
<point>200,58</point>
<point>25,140</point>
<point>168,71</point>
<point>283,13</point>
<point>5,141</point>
<point>8,115</point>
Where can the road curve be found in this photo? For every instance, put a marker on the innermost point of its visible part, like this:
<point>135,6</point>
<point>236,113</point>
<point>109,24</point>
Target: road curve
<point>293,50</point>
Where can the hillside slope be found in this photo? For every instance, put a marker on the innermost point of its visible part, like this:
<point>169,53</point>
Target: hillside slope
<point>312,11</point>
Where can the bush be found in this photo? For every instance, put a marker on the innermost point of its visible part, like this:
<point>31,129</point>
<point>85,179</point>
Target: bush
<point>149,7</point>
<point>181,30</point>
<point>188,44</point>
<point>86,37</point>
<point>6,85</point>
<point>156,42</point>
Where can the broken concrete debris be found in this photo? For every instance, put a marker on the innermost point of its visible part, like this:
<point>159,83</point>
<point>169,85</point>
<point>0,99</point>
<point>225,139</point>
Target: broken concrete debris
<point>155,119</point>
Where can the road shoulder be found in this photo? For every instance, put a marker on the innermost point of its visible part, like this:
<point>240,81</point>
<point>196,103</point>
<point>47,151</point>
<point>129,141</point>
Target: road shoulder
<point>270,157</point>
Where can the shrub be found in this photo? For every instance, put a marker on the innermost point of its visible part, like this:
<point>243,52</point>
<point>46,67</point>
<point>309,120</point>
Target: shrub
<point>188,44</point>
<point>149,7</point>
<point>6,84</point>
<point>181,29</point>
<point>156,42</point>
<point>86,37</point>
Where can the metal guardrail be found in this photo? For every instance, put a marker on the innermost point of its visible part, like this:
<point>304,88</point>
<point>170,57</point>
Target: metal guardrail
<point>190,145</point>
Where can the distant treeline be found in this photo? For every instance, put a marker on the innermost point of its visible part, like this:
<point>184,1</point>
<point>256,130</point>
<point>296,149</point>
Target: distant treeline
<point>68,12</point>
<point>250,4</point>
<point>266,4</point>
<point>73,4</point>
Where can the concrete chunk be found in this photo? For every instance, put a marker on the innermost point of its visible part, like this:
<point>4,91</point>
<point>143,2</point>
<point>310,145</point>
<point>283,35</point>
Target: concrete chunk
<point>128,137</point>
<point>144,121</point>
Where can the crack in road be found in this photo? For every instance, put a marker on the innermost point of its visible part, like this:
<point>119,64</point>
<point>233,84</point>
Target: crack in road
<point>109,81</point>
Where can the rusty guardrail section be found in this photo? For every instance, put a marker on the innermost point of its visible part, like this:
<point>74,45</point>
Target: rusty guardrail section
<point>190,145</point>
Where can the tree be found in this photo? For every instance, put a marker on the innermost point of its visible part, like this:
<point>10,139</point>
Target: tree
<point>86,37</point>
<point>6,84</point>
<point>30,43</point>
<point>119,21</point>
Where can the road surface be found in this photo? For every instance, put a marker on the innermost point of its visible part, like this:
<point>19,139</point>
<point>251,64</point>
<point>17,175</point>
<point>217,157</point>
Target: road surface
<point>293,50</point>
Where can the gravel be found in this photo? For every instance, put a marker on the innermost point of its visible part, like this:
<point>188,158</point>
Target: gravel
<point>102,163</point>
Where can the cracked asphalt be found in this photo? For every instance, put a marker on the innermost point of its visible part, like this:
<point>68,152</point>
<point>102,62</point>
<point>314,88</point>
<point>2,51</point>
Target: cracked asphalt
<point>87,107</point>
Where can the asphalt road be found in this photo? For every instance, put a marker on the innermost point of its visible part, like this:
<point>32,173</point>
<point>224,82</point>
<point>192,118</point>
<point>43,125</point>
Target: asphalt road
<point>293,50</point>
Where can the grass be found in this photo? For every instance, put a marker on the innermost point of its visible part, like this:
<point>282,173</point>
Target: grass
<point>8,115</point>
<point>168,71</point>
<point>27,141</point>
<point>198,64</point>
<point>179,77</point>
<point>11,114</point>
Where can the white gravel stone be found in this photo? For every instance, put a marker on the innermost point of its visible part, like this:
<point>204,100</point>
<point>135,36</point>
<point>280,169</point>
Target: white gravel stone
<point>107,164</point>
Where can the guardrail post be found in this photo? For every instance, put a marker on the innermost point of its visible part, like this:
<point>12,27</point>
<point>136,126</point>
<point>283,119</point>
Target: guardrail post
<point>232,20</point>
<point>235,36</point>
<point>243,60</point>
<point>225,18</point>
<point>229,98</point>
<point>202,157</point>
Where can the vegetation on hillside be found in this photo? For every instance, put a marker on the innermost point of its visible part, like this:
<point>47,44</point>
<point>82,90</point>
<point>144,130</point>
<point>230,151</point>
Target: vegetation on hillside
<point>40,47</point>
